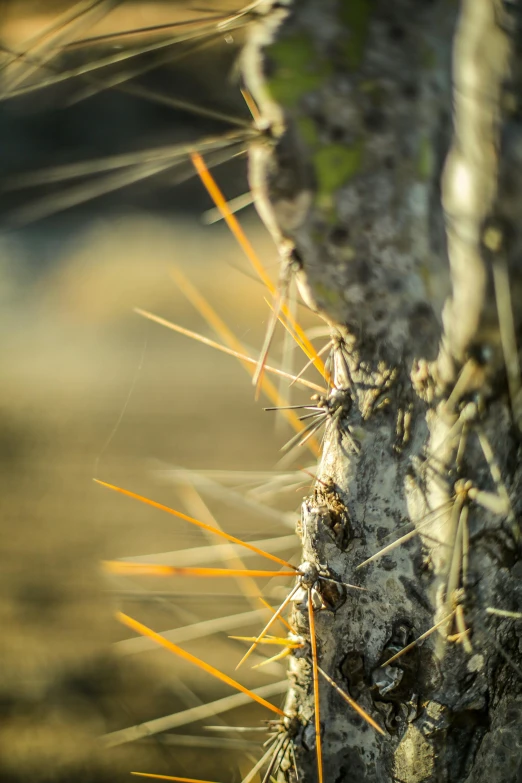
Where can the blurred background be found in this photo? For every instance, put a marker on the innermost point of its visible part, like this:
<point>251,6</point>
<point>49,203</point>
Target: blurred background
<point>91,389</point>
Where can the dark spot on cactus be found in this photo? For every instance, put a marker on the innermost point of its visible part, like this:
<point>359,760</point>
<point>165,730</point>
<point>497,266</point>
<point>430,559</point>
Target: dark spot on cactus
<point>337,133</point>
<point>389,162</point>
<point>352,668</point>
<point>395,285</point>
<point>397,32</point>
<point>422,310</point>
<point>333,594</point>
<point>364,273</point>
<point>420,318</point>
<point>339,235</point>
<point>374,120</point>
<point>401,631</point>
<point>297,258</point>
<point>350,767</point>
<point>480,353</point>
<point>513,715</point>
<point>410,91</point>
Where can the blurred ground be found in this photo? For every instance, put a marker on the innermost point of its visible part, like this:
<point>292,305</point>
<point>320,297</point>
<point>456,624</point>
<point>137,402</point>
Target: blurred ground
<point>90,388</point>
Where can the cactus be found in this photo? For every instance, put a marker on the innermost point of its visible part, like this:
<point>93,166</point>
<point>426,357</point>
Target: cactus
<point>400,220</point>
<point>385,162</point>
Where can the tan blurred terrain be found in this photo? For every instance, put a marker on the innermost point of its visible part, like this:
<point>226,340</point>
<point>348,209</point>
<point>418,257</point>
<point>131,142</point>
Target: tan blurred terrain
<point>23,19</point>
<point>89,389</point>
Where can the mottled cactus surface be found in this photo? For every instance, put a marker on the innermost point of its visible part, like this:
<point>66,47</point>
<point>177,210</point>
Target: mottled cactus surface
<point>386,163</point>
<point>391,181</point>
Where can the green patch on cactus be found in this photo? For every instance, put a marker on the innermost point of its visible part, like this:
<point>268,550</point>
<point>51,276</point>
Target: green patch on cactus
<point>308,131</point>
<point>297,70</point>
<point>355,15</point>
<point>428,57</point>
<point>329,298</point>
<point>326,206</point>
<point>335,164</point>
<point>426,278</point>
<point>371,87</point>
<point>425,160</point>
<point>318,235</point>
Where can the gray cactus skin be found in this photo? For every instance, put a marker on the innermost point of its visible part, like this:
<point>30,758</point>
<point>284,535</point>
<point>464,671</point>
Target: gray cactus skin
<point>390,180</point>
